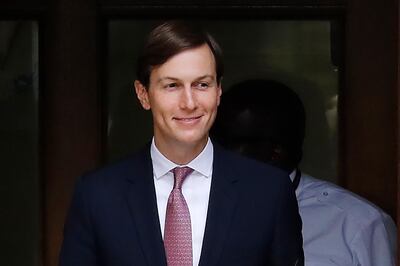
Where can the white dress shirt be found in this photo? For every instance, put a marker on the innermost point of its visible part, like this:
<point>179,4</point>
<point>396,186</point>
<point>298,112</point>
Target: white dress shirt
<point>341,228</point>
<point>195,189</point>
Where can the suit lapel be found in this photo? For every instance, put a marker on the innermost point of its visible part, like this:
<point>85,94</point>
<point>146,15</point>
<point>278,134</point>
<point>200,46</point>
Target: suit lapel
<point>221,207</point>
<point>142,202</point>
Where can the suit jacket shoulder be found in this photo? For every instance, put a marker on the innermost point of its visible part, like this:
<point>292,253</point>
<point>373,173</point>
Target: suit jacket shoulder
<point>253,211</point>
<point>113,218</point>
<point>251,172</point>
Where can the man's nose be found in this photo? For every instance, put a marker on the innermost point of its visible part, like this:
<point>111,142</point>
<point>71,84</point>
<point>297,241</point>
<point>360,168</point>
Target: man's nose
<point>188,100</point>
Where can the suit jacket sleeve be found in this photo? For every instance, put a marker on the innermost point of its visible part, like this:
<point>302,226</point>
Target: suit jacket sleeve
<point>78,247</point>
<point>288,241</point>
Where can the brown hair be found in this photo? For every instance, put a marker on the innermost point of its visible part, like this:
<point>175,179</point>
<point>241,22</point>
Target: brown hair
<point>171,38</point>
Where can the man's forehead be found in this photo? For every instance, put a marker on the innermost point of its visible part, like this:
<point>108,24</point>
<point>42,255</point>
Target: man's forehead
<point>203,49</point>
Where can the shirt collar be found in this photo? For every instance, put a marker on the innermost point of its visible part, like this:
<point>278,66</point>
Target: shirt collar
<point>202,163</point>
<point>292,174</point>
<point>299,188</point>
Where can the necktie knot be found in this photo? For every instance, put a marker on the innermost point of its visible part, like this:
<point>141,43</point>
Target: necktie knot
<point>180,173</point>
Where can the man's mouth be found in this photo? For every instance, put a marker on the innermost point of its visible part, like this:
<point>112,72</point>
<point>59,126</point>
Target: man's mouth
<point>187,119</point>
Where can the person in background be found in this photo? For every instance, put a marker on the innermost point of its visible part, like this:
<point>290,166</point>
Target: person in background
<point>265,120</point>
<point>182,200</point>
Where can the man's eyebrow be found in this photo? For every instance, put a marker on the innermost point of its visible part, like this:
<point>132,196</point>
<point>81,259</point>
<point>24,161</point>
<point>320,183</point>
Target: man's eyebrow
<point>167,78</point>
<point>205,77</point>
<point>177,79</point>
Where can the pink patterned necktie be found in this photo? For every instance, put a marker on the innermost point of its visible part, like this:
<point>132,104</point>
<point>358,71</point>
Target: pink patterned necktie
<point>178,230</point>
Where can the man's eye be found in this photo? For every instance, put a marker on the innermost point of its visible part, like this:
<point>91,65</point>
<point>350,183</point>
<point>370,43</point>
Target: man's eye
<point>202,85</point>
<point>171,85</point>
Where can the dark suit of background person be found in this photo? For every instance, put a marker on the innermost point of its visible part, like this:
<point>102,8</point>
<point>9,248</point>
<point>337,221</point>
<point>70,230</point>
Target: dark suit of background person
<point>265,120</point>
<point>252,216</point>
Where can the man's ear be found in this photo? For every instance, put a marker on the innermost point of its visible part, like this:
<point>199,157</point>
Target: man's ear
<point>219,94</point>
<point>142,94</point>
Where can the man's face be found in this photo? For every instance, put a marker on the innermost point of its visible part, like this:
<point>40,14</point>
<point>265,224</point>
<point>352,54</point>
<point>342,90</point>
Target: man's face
<point>183,96</point>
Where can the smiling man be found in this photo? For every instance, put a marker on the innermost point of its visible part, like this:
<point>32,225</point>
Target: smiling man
<point>182,200</point>
<point>183,94</point>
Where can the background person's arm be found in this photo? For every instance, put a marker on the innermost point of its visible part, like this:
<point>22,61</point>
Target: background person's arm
<point>375,242</point>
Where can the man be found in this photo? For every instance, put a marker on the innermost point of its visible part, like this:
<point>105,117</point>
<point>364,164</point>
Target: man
<point>182,200</point>
<point>265,120</point>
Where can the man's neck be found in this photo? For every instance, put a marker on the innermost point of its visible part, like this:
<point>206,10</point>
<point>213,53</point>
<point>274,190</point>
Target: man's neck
<point>179,153</point>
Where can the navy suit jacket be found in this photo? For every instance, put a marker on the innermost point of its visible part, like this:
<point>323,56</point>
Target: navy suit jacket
<point>252,216</point>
